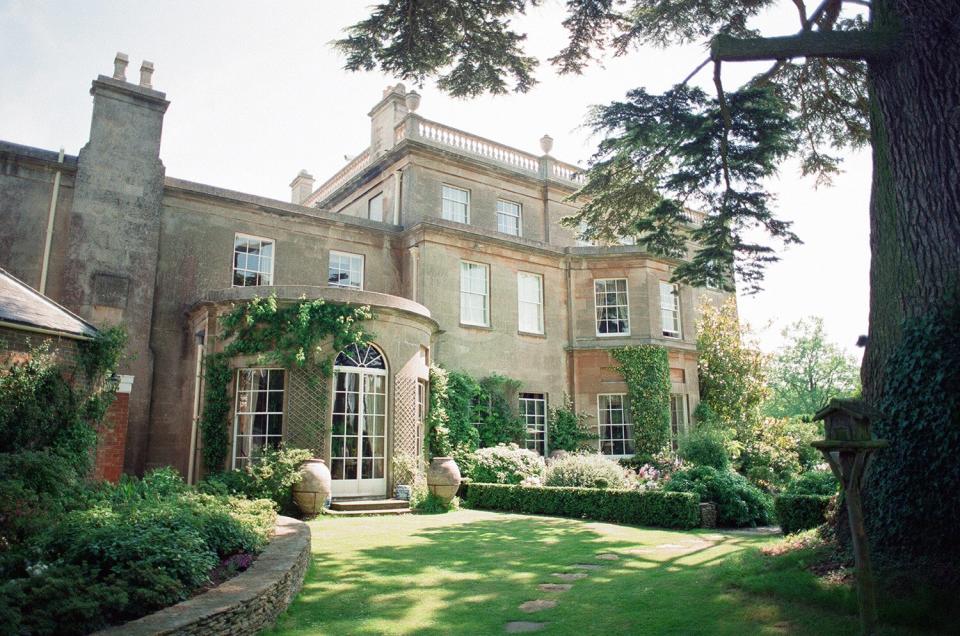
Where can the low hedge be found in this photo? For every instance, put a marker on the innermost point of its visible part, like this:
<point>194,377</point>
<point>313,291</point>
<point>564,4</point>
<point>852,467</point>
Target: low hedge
<point>801,512</point>
<point>641,507</point>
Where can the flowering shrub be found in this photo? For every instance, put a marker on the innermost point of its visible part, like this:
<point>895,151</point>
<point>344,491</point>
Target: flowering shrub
<point>506,464</point>
<point>647,477</point>
<point>587,471</point>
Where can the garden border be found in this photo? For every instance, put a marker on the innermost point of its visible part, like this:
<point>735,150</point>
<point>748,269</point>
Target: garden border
<point>245,604</point>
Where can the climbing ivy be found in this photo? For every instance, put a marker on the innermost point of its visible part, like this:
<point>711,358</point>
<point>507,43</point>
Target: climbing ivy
<point>646,370</point>
<point>291,335</point>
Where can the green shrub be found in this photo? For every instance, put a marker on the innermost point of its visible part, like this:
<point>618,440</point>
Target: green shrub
<point>569,430</point>
<point>705,447</point>
<point>586,471</point>
<point>646,371</point>
<point>814,482</point>
<point>801,512</point>
<point>430,504</point>
<point>506,464</point>
<point>34,486</point>
<point>495,411</point>
<point>739,503</point>
<point>649,508</point>
<point>271,476</point>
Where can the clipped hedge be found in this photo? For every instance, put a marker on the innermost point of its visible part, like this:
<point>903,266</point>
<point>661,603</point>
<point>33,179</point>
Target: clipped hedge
<point>801,512</point>
<point>648,508</point>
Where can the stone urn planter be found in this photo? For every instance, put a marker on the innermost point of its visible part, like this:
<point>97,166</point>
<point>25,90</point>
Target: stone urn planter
<point>312,492</point>
<point>443,478</point>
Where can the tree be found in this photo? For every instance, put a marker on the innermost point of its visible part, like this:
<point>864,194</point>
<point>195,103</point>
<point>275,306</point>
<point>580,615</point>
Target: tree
<point>809,370</point>
<point>890,77</point>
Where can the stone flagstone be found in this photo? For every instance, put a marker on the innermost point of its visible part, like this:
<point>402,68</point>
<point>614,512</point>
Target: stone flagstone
<point>537,605</point>
<point>607,556</point>
<point>520,627</point>
<point>587,566</point>
<point>554,587</point>
<point>569,576</point>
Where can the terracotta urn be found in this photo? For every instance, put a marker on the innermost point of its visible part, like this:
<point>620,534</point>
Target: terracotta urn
<point>443,478</point>
<point>313,490</point>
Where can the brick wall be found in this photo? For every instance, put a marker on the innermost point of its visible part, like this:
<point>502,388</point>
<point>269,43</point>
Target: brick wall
<point>112,440</point>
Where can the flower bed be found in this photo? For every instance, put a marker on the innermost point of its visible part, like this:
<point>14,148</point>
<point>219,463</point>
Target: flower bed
<point>648,508</point>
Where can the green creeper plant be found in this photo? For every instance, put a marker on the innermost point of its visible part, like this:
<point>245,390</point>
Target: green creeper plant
<point>646,371</point>
<point>569,430</point>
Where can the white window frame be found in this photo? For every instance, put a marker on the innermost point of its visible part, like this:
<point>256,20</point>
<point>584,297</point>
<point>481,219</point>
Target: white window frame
<point>485,294</point>
<point>518,216</point>
<point>597,306</point>
<point>677,331</point>
<point>534,422</point>
<point>627,424</point>
<point>233,261</point>
<point>443,198</point>
<point>538,304</point>
<point>679,426</point>
<point>350,256</point>
<point>377,197</point>
<point>237,413</point>
<point>421,404</point>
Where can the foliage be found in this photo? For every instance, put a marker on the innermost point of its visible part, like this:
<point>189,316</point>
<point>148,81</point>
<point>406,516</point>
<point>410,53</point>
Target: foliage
<point>646,371</point>
<point>777,450</point>
<point>271,477</point>
<point>733,384</point>
<point>506,464</point>
<point>813,482</point>
<point>910,483</point>
<point>407,469</point>
<point>808,371</point>
<point>569,429</point>
<point>110,553</point>
<point>451,431</point>
<point>644,507</point>
<point>433,505</point>
<point>34,486</point>
<point>588,470</point>
<point>801,512</point>
<point>45,406</point>
<point>705,447</point>
<point>739,503</point>
<point>495,411</point>
<point>291,335</point>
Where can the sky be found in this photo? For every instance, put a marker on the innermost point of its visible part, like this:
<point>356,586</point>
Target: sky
<point>258,93</point>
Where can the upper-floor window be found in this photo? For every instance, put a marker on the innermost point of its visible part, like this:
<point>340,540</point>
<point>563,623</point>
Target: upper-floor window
<point>533,410</point>
<point>530,302</point>
<point>375,207</point>
<point>346,270</point>
<point>456,204</point>
<point>252,260</point>
<point>258,413</point>
<point>670,309</point>
<point>615,424</point>
<point>508,217</point>
<point>612,306</point>
<point>474,294</point>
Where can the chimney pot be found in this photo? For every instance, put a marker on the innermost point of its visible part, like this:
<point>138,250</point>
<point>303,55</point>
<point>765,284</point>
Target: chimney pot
<point>146,74</point>
<point>120,66</point>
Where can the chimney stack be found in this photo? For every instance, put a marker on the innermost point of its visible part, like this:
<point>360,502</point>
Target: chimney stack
<point>301,187</point>
<point>146,73</point>
<point>120,66</point>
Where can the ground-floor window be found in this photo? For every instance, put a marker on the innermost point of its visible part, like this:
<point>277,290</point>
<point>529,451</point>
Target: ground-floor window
<point>533,410</point>
<point>616,427</point>
<point>258,418</point>
<point>678,417</point>
<point>358,438</point>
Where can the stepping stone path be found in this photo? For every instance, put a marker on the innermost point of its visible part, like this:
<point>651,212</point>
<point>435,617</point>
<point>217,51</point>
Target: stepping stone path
<point>587,566</point>
<point>554,587</point>
<point>608,556</point>
<point>570,576</point>
<point>522,627</point>
<point>535,606</point>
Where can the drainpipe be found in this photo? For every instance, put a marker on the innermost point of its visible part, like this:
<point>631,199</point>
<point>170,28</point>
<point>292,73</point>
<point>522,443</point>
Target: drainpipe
<point>198,380</point>
<point>50,217</point>
<point>397,183</point>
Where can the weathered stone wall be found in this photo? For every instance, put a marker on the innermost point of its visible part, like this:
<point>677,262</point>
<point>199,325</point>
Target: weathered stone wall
<point>245,604</point>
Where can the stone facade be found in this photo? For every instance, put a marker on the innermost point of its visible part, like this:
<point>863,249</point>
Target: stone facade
<point>132,245</point>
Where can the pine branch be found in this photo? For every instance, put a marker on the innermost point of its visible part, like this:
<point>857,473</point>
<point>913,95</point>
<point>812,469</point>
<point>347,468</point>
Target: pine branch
<point>851,45</point>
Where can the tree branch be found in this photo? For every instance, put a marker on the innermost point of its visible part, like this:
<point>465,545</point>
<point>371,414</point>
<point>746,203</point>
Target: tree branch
<point>851,45</point>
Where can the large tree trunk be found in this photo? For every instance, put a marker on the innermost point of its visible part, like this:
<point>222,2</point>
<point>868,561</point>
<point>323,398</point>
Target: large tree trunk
<point>915,199</point>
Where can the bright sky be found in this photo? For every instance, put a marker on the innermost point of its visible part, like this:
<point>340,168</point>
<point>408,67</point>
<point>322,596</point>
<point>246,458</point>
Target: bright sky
<point>258,93</point>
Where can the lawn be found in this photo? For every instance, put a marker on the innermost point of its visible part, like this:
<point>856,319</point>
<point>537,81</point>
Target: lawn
<point>468,572</point>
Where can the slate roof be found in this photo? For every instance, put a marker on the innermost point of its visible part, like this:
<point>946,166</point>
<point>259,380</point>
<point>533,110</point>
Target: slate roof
<point>20,304</point>
<point>855,407</point>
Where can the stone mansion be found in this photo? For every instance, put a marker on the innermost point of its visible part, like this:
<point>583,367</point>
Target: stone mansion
<point>453,240</point>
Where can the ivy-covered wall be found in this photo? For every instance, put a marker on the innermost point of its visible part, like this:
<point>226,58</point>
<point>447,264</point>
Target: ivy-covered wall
<point>646,371</point>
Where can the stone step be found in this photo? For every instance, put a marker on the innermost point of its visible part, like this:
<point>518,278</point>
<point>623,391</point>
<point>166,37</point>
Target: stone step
<point>360,513</point>
<point>348,505</point>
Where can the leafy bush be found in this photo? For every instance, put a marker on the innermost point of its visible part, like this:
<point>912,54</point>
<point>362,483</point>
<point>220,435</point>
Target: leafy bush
<point>569,430</point>
<point>739,503</point>
<point>34,486</point>
<point>646,371</point>
<point>495,411</point>
<point>272,477</point>
<point>650,508</point>
<point>506,464</point>
<point>705,447</point>
<point>430,504</point>
<point>586,471</point>
<point>801,512</point>
<point>814,482</point>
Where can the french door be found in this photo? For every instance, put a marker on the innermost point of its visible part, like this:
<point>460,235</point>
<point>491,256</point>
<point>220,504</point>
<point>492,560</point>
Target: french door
<point>359,421</point>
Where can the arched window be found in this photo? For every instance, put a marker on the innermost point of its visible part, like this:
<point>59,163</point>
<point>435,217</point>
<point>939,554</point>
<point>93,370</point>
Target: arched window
<point>365,356</point>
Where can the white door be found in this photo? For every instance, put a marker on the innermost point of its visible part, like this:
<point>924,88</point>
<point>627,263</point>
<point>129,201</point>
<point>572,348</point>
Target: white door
<point>359,421</point>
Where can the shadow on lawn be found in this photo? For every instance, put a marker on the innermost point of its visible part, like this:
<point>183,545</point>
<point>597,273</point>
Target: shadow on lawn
<point>470,577</point>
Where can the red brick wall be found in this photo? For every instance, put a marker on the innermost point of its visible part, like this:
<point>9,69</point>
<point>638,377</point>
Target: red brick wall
<point>112,440</point>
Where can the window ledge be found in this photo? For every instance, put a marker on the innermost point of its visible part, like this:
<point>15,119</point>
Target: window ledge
<point>532,334</point>
<point>464,325</point>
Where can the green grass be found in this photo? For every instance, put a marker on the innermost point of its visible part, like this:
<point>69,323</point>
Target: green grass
<point>466,572</point>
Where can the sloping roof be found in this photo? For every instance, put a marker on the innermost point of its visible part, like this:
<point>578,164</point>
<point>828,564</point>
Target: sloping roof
<point>20,304</point>
<point>855,407</point>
